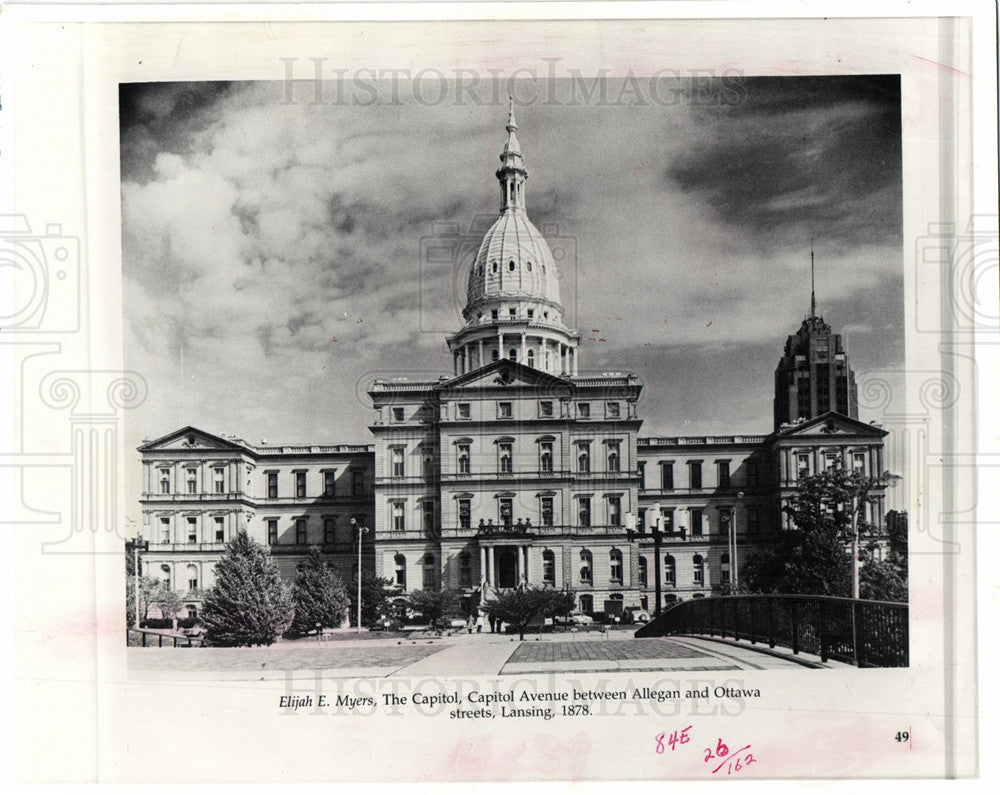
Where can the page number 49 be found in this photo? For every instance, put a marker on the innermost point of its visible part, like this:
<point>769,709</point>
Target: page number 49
<point>902,737</point>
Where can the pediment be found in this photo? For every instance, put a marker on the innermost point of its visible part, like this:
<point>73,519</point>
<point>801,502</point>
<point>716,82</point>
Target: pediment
<point>831,424</point>
<point>506,374</point>
<point>189,438</point>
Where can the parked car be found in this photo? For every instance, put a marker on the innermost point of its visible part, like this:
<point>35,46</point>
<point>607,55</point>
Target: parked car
<point>580,618</point>
<point>639,615</point>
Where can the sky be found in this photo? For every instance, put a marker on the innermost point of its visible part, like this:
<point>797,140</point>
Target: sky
<point>274,248</point>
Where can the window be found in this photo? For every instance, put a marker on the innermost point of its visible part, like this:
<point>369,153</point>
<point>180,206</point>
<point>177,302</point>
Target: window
<point>165,529</point>
<point>583,411</point>
<point>465,570</point>
<point>358,483</point>
<point>614,457</point>
<point>400,564</point>
<point>723,467</point>
<point>694,474</point>
<point>583,512</point>
<point>505,456</point>
<point>549,567</point>
<point>698,576</point>
<point>531,312</point>
<point>858,463</point>
<point>545,456</point>
<point>751,473</point>
<point>531,356</point>
<point>463,411</point>
<point>219,480</point>
<point>641,469</point>
<point>429,571</point>
<point>616,566</point>
<point>613,410</point>
<point>586,567</point>
<point>505,410</point>
<point>396,458</point>
<point>725,518</point>
<point>583,458</point>
<point>272,485</point>
<point>753,519</point>
<point>398,515</point>
<point>669,570</point>
<point>192,530</point>
<point>428,516</point>
<point>506,507</point>
<point>300,484</point>
<point>666,475</point>
<point>496,354</point>
<point>696,524</point>
<point>329,530</point>
<point>220,529</point>
<point>547,512</point>
<point>465,513</point>
<point>192,575</point>
<point>164,481</point>
<point>464,457</point>
<point>545,408</point>
<point>586,603</point>
<point>191,476</point>
<point>427,463</point>
<point>272,531</point>
<point>724,567</point>
<point>165,574</point>
<point>643,572</point>
<point>615,511</point>
<point>668,519</point>
<point>398,414</point>
<point>300,530</point>
<point>802,464</point>
<point>329,483</point>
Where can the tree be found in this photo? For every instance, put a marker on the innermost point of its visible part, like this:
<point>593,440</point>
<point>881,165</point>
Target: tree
<point>374,598</point>
<point>561,603</point>
<point>248,606</point>
<point>812,557</point>
<point>168,601</point>
<point>882,580</point>
<point>433,604</point>
<point>318,595</point>
<point>519,608</point>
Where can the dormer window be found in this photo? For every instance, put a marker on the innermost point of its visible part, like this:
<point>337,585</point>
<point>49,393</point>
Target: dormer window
<point>531,312</point>
<point>513,312</point>
<point>529,267</point>
<point>495,314</point>
<point>510,265</point>
<point>495,267</point>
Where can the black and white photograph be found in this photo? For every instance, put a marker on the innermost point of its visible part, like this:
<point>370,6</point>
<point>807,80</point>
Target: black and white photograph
<point>438,392</point>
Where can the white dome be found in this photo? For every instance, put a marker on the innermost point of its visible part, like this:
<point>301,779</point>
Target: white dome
<point>513,261</point>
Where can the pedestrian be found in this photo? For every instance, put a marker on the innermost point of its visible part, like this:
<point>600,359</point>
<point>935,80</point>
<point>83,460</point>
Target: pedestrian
<point>470,624</point>
<point>493,623</point>
<point>480,621</point>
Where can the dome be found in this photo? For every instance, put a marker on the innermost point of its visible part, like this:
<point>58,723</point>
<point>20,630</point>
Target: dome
<point>513,261</point>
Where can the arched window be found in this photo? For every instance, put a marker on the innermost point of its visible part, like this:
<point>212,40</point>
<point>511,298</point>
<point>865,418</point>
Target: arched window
<point>192,576</point>
<point>643,572</point>
<point>549,567</point>
<point>545,455</point>
<point>724,566</point>
<point>495,266</point>
<point>669,570</point>
<point>583,459</point>
<point>510,265</point>
<point>531,357</point>
<point>513,354</point>
<point>429,571</point>
<point>465,570</point>
<point>529,266</point>
<point>496,354</point>
<point>586,567</point>
<point>699,570</point>
<point>165,574</point>
<point>400,563</point>
<point>616,565</point>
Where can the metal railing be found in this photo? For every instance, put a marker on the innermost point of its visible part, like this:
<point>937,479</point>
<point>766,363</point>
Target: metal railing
<point>148,637</point>
<point>862,632</point>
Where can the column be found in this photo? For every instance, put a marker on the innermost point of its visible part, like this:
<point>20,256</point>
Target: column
<point>524,563</point>
<point>489,565</point>
<point>146,470</point>
<point>500,343</point>
<point>524,350</point>
<point>482,565</point>
<point>481,360</point>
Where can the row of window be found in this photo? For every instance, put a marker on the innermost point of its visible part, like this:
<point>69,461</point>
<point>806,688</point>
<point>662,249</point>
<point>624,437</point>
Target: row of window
<point>191,572</point>
<point>191,484</point>
<point>803,462</point>
<point>188,532</point>
<point>505,513</point>
<point>696,519</point>
<point>329,481</point>
<point>335,531</point>
<point>505,410</point>
<point>505,457</point>
<point>723,476</point>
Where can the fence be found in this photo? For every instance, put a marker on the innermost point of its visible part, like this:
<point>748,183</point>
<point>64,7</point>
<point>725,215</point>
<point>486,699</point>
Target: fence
<point>149,637</point>
<point>865,633</point>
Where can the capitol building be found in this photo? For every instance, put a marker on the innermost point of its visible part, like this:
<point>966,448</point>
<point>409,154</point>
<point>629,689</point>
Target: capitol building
<point>518,467</point>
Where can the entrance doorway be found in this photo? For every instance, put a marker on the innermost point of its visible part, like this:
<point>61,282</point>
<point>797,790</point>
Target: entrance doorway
<point>506,558</point>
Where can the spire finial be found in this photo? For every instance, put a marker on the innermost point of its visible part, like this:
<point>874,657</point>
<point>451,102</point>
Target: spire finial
<point>812,270</point>
<point>512,173</point>
<point>511,122</point>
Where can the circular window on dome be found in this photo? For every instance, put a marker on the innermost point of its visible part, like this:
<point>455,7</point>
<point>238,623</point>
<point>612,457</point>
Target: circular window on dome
<point>529,267</point>
<point>510,266</point>
<point>494,267</point>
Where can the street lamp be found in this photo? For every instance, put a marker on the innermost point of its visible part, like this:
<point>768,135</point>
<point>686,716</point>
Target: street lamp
<point>137,545</point>
<point>361,531</point>
<point>658,534</point>
<point>735,565</point>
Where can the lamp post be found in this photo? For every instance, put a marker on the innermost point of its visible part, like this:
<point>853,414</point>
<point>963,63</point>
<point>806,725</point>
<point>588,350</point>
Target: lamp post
<point>137,545</point>
<point>361,531</point>
<point>735,565</point>
<point>658,534</point>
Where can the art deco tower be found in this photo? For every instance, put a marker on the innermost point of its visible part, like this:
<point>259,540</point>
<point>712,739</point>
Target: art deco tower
<point>813,376</point>
<point>513,310</point>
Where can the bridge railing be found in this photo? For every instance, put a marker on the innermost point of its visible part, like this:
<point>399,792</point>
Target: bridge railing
<point>863,632</point>
<point>151,637</point>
